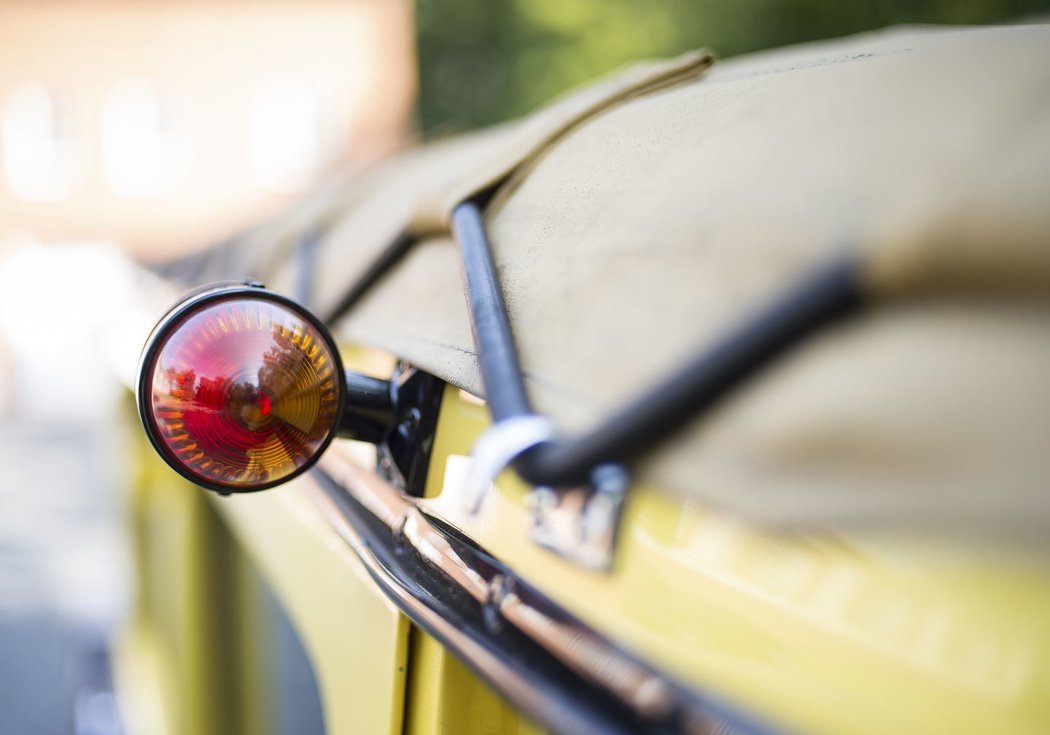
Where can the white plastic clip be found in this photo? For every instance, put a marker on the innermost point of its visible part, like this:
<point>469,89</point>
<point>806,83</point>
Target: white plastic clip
<point>498,447</point>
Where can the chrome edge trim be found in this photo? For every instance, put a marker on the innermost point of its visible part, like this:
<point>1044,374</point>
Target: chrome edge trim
<point>655,703</point>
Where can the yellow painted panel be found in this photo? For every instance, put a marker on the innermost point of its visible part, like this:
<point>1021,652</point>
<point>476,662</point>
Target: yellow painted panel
<point>355,637</point>
<point>824,633</point>
<point>185,663</point>
<point>446,698</point>
<point>175,666</point>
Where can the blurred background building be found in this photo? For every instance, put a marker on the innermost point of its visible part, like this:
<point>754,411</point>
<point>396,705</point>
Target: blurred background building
<point>154,128</point>
<point>166,124</point>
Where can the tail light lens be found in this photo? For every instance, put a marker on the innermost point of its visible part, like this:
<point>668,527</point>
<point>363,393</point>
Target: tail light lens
<point>240,389</point>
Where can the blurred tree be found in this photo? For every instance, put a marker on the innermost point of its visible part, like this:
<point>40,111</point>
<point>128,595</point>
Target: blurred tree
<point>482,61</point>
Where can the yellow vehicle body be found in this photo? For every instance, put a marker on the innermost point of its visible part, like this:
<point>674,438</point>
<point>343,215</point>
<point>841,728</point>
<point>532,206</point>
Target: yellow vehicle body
<point>823,628</point>
<point>794,628</point>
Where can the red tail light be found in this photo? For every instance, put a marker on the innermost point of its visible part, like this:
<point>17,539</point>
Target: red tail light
<point>240,389</point>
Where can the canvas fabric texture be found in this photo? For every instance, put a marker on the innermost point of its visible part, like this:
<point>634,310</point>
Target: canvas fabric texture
<point>652,216</point>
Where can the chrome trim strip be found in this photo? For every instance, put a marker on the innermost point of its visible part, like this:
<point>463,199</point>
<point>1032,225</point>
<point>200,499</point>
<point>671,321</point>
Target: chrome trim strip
<point>392,587</point>
<point>652,702</point>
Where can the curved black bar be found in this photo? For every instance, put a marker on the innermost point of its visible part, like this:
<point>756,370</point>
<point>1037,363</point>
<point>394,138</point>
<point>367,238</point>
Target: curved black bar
<point>394,251</point>
<point>369,408</point>
<point>497,353</point>
<point>827,295</point>
<point>366,392</point>
<point>304,256</point>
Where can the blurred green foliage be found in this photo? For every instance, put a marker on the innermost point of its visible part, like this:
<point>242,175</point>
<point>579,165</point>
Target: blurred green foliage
<point>482,61</point>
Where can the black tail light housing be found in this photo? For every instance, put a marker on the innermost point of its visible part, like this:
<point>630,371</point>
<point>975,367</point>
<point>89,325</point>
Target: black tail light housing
<point>241,389</point>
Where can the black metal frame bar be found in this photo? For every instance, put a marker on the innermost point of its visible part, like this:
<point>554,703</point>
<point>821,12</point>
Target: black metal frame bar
<point>497,352</point>
<point>382,265</point>
<point>829,294</point>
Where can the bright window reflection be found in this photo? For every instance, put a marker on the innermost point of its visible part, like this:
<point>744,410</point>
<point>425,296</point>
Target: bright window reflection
<point>142,154</point>
<point>38,148</point>
<point>284,133</point>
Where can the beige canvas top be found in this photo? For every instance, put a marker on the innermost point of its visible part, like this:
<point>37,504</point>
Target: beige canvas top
<point>642,218</point>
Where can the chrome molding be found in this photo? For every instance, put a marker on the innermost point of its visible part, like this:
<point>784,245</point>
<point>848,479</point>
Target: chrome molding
<point>560,672</point>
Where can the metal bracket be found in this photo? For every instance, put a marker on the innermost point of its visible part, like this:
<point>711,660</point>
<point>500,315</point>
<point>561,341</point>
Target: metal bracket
<point>581,523</point>
<point>498,447</point>
<point>408,437</point>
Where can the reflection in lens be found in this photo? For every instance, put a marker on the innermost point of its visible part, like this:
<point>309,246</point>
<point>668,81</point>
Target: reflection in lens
<point>244,392</point>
